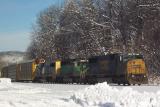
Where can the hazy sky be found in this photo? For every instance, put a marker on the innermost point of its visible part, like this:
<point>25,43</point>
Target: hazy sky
<point>16,19</point>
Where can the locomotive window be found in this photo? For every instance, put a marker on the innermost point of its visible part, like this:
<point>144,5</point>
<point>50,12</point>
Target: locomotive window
<point>139,56</point>
<point>127,57</point>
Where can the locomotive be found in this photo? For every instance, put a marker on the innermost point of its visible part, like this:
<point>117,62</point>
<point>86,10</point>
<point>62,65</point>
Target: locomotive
<point>119,68</point>
<point>114,68</point>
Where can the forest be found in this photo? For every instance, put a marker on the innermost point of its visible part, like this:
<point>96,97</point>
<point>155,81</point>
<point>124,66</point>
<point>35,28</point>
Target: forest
<point>84,28</point>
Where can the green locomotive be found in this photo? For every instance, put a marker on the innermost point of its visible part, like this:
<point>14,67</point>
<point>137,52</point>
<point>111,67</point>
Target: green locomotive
<point>73,71</point>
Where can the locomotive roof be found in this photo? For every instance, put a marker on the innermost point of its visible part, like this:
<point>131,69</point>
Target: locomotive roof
<point>117,54</point>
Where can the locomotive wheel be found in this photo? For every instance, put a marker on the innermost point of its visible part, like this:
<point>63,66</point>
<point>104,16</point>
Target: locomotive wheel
<point>128,84</point>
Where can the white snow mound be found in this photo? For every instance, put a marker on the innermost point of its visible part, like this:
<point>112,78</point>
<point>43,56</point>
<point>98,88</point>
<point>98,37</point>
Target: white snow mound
<point>5,81</point>
<point>102,95</point>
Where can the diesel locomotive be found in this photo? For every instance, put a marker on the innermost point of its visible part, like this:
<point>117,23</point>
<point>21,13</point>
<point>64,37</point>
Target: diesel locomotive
<point>114,68</point>
<point>118,68</point>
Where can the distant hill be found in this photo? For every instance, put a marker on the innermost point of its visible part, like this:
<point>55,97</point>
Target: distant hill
<point>10,57</point>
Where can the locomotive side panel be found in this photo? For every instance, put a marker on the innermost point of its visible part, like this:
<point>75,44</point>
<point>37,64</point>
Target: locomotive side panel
<point>50,72</point>
<point>103,66</point>
<point>45,72</point>
<point>67,69</point>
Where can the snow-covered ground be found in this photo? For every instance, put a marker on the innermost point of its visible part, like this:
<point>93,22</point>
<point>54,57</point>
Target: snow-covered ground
<point>72,95</point>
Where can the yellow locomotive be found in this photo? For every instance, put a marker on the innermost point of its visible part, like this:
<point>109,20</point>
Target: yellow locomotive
<point>137,71</point>
<point>118,68</point>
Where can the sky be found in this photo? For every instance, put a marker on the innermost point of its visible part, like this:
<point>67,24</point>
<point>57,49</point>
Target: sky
<point>16,20</point>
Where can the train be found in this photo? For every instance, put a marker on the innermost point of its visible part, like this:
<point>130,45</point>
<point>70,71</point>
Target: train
<point>115,68</point>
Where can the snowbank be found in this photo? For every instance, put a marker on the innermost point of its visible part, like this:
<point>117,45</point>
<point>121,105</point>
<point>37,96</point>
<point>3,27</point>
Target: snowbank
<point>5,84</point>
<point>5,81</point>
<point>102,95</point>
<point>58,95</point>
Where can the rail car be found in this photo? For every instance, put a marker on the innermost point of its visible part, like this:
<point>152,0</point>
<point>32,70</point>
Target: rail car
<point>4,72</point>
<point>24,71</point>
<point>113,68</point>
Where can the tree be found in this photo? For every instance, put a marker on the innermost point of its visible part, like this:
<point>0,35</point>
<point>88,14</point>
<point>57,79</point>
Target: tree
<point>43,35</point>
<point>84,28</point>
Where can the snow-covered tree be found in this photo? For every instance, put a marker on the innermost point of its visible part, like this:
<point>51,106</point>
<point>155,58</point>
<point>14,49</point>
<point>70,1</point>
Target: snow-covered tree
<point>84,28</point>
<point>43,35</point>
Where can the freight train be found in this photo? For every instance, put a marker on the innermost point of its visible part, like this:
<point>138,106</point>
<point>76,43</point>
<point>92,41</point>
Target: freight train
<point>114,68</point>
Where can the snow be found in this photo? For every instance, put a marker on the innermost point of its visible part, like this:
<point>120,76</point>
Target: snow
<point>5,81</point>
<point>103,95</point>
<point>33,95</point>
<point>74,95</point>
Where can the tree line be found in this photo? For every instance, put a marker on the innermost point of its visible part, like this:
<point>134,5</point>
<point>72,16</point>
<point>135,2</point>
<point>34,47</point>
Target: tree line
<point>84,28</point>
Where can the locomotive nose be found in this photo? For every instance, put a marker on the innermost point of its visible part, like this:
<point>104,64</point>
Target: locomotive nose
<point>136,71</point>
<point>136,66</point>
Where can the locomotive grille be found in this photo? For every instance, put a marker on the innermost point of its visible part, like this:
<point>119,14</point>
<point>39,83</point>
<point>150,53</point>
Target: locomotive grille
<point>136,66</point>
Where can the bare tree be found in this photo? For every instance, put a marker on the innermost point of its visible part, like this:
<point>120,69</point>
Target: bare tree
<point>84,28</point>
<point>43,35</point>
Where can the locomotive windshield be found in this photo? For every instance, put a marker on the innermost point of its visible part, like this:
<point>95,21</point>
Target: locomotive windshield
<point>132,56</point>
